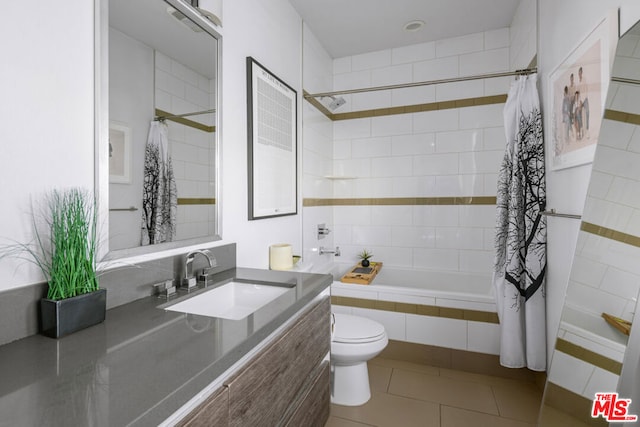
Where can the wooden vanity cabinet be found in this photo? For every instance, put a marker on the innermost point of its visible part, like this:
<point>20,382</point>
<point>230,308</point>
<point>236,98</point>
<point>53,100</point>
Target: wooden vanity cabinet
<point>212,412</point>
<point>285,384</point>
<point>261,393</point>
<point>313,408</point>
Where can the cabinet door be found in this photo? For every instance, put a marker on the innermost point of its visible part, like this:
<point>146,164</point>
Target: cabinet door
<point>261,393</point>
<point>313,411</point>
<point>212,412</point>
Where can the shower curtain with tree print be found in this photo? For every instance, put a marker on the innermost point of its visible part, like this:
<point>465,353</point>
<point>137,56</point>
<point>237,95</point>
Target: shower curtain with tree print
<point>521,232</point>
<point>159,192</point>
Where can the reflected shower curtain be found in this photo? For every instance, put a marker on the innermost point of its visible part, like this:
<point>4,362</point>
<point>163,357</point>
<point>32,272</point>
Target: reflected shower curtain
<point>159,193</point>
<point>521,232</point>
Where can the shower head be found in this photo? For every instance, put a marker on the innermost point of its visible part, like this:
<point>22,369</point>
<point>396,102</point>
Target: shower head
<point>335,102</point>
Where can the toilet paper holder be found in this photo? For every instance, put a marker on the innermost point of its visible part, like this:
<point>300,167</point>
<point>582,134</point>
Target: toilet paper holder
<point>280,256</point>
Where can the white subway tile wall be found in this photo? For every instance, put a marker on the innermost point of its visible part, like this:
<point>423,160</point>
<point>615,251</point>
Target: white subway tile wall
<point>317,153</point>
<point>460,45</point>
<point>318,66</point>
<point>482,337</point>
<point>466,335</point>
<point>605,277</point>
<point>441,332</point>
<point>181,90</point>
<point>600,380</point>
<point>571,372</point>
<point>582,377</point>
<point>394,323</point>
<point>613,351</point>
<point>443,153</point>
<point>497,38</point>
<point>410,54</point>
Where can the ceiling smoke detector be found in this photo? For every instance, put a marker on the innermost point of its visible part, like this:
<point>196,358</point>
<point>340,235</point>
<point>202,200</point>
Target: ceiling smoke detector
<point>412,26</point>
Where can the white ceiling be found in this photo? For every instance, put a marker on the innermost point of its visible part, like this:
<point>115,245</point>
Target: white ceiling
<point>350,27</point>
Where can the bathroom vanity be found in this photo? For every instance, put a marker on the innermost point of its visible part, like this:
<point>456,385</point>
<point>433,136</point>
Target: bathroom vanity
<point>285,384</point>
<point>147,366</point>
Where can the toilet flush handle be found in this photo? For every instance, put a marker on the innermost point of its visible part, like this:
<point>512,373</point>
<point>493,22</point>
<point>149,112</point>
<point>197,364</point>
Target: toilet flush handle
<point>333,323</point>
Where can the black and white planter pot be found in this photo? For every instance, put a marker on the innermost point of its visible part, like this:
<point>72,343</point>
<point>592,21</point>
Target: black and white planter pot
<point>63,317</point>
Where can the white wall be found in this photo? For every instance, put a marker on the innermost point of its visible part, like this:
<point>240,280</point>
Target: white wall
<point>317,149</point>
<point>270,32</point>
<point>46,113</point>
<point>523,35</point>
<point>444,153</point>
<point>562,25</point>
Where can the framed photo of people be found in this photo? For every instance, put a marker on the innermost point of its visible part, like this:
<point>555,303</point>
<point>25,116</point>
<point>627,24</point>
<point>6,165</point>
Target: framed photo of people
<point>577,92</point>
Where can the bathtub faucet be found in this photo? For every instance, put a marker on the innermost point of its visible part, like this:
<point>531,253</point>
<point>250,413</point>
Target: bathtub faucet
<point>322,250</point>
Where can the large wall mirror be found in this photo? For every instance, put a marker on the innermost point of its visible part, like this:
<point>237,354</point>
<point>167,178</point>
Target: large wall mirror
<point>592,355</point>
<point>158,119</point>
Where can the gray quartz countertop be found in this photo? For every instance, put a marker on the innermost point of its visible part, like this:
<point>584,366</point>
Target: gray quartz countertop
<point>142,364</point>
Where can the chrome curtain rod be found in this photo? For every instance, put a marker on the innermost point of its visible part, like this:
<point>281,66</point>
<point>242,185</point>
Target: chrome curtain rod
<point>624,80</point>
<point>177,116</point>
<point>553,212</point>
<point>425,83</point>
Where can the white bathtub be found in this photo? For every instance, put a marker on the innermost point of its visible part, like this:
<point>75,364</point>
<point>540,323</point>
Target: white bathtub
<point>471,294</point>
<point>440,288</point>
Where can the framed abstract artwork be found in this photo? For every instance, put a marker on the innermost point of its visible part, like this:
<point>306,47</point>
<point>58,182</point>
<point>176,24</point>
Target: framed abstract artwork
<point>272,144</point>
<point>119,153</point>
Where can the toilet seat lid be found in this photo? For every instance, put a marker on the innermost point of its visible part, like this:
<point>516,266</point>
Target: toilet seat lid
<point>356,329</point>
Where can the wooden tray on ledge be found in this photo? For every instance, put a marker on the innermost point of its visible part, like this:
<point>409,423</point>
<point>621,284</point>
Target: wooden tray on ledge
<point>622,325</point>
<point>362,275</point>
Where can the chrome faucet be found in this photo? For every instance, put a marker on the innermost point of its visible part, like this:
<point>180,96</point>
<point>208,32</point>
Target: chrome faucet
<point>322,250</point>
<point>189,281</point>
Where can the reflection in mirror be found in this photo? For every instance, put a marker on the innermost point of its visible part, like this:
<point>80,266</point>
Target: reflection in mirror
<point>163,97</point>
<point>592,355</point>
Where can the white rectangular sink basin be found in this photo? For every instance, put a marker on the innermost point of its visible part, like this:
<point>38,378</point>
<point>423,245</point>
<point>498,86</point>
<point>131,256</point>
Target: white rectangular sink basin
<point>233,300</point>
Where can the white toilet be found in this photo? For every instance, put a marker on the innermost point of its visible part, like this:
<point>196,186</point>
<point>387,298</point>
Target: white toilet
<point>354,341</point>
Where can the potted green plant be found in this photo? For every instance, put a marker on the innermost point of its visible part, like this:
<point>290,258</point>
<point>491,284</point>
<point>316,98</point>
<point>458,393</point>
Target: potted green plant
<point>364,257</point>
<point>64,248</point>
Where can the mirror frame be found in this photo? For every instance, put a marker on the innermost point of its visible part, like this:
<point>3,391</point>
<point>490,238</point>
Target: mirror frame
<point>101,131</point>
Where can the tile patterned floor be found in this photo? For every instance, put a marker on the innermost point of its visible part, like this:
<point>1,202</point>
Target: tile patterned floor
<point>409,394</point>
